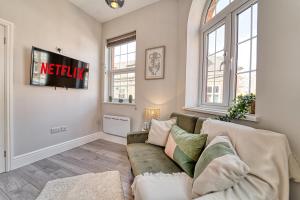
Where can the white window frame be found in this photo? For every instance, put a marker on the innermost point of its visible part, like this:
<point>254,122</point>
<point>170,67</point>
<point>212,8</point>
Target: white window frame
<point>227,16</point>
<point>111,72</point>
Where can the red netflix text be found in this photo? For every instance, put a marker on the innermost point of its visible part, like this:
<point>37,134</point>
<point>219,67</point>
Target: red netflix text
<point>62,70</point>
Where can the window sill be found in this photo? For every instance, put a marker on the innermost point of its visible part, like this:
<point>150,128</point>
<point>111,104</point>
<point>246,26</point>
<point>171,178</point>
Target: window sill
<point>211,111</point>
<point>117,103</point>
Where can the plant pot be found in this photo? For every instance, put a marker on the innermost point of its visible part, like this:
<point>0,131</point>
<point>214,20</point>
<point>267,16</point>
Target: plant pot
<point>121,100</point>
<point>110,99</point>
<point>252,108</point>
<point>130,98</point>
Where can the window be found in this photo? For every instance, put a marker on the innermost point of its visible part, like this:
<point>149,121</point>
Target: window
<point>121,69</point>
<point>229,52</point>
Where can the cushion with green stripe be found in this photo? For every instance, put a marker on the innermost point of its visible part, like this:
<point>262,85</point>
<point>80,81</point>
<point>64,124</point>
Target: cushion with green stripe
<point>218,168</point>
<point>185,148</point>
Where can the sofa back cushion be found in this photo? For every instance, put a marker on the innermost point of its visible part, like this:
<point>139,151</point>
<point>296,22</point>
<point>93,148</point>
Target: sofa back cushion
<point>186,122</point>
<point>198,126</point>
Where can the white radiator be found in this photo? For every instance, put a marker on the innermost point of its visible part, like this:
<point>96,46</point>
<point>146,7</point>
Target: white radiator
<point>116,125</point>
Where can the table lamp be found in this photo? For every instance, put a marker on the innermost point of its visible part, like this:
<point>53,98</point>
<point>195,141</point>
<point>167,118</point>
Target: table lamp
<point>149,114</point>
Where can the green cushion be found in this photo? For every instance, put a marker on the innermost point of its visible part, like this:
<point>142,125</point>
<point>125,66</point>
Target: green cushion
<point>150,158</point>
<point>185,148</point>
<point>186,122</point>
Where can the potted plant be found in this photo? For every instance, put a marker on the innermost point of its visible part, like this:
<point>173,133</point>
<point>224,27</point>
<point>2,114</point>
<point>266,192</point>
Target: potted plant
<point>110,99</point>
<point>121,100</point>
<point>130,98</point>
<point>242,105</point>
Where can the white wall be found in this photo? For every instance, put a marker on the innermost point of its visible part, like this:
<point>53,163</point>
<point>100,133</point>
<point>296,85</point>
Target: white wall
<point>47,24</point>
<point>155,25</point>
<point>278,83</point>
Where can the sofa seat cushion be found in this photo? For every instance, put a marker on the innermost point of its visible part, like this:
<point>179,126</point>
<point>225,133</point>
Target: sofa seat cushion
<point>150,158</point>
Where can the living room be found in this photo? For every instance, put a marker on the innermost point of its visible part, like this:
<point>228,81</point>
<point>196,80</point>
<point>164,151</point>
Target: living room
<point>99,99</point>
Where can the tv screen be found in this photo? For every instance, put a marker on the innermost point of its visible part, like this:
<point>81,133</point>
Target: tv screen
<point>56,70</point>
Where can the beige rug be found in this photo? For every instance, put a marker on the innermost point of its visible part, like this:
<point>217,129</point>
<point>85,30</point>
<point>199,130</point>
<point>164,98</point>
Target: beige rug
<point>101,186</point>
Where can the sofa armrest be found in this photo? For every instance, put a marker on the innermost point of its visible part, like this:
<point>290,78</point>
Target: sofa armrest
<point>137,137</point>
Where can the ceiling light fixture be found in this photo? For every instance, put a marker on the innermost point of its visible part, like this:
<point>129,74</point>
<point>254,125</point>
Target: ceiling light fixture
<point>114,4</point>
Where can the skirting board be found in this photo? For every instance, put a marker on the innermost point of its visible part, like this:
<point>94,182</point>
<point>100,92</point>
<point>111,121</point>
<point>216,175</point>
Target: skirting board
<point>113,138</point>
<point>28,158</point>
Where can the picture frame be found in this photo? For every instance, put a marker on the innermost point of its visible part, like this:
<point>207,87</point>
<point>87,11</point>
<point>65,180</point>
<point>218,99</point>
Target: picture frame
<point>155,63</point>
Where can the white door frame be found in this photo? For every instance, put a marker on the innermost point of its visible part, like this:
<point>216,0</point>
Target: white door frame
<point>8,76</point>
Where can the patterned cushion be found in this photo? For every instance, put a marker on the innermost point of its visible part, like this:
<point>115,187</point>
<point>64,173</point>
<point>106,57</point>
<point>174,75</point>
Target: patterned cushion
<point>218,168</point>
<point>185,148</point>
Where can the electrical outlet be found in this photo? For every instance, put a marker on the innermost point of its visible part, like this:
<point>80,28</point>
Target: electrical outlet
<point>55,130</point>
<point>63,129</point>
<point>59,129</point>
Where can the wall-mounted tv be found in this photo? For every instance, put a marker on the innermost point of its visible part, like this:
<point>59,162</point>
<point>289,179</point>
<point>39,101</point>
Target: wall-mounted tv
<point>56,70</point>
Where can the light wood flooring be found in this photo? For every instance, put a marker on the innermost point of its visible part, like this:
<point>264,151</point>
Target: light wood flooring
<point>27,182</point>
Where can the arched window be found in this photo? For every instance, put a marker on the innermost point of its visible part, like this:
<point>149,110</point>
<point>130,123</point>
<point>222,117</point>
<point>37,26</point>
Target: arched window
<point>229,52</point>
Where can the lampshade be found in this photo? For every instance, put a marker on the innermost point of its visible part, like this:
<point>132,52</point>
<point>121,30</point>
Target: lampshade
<point>151,113</point>
<point>115,3</point>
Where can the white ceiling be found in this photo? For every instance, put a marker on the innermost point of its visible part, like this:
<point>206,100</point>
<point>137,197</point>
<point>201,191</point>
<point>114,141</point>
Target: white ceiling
<point>100,10</point>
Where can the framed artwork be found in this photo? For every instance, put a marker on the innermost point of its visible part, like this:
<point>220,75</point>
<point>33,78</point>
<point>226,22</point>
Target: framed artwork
<point>155,63</point>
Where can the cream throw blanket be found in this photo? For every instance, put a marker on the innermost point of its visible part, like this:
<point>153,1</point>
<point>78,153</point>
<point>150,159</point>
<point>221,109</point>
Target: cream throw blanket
<point>269,157</point>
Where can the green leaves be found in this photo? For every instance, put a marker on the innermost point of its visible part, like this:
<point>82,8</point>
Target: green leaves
<point>239,109</point>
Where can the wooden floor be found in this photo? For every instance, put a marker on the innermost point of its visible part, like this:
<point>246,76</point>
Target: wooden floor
<point>27,182</point>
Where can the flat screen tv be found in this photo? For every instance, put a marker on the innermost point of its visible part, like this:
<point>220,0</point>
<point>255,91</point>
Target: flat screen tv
<point>56,70</point>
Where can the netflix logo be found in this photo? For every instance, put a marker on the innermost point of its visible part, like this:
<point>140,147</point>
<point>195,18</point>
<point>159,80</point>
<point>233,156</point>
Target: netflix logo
<point>62,70</point>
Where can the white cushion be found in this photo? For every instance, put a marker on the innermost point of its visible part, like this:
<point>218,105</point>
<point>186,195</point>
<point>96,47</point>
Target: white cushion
<point>177,186</point>
<point>160,131</point>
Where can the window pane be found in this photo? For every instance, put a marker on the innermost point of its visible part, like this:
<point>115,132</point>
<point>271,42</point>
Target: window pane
<point>209,89</point>
<point>116,93</point>
<point>116,62</point>
<point>211,43</point>
<point>131,47</point>
<point>254,54</point>
<point>211,63</point>
<point>210,79</point>
<point>210,85</point>
<point>123,92</point>
<point>124,49</point>
<point>215,66</point>
<point>218,95</point>
<point>123,63</point>
<point>123,85</point>
<point>220,38</point>
<point>221,4</point>
<point>131,59</point>
<point>117,50</point>
<point>242,84</point>
<point>244,25</point>
<point>244,57</point>
<point>215,7</point>
<point>116,86</point>
<point>220,61</point>
<point>254,20</point>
